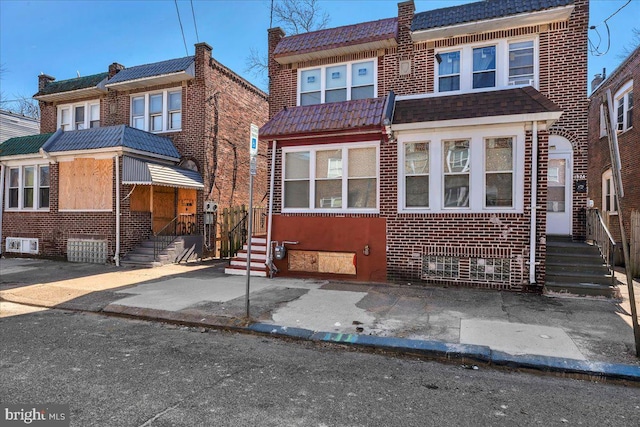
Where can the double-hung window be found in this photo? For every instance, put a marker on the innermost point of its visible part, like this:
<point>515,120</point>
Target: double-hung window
<point>79,116</point>
<point>521,64</point>
<point>157,111</point>
<point>416,174</point>
<point>343,178</point>
<point>484,67</point>
<point>609,201</point>
<point>449,71</point>
<point>337,83</point>
<point>623,101</point>
<point>479,67</point>
<point>499,172</point>
<point>454,171</point>
<point>28,187</point>
<point>457,172</point>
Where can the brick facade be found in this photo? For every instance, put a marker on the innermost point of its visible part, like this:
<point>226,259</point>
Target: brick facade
<point>218,107</point>
<point>562,59</point>
<point>599,157</point>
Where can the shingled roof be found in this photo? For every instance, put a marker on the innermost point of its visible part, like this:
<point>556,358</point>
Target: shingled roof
<point>479,11</point>
<point>72,84</point>
<point>525,100</point>
<point>155,69</point>
<point>21,145</point>
<point>315,119</point>
<point>111,137</point>
<point>336,38</point>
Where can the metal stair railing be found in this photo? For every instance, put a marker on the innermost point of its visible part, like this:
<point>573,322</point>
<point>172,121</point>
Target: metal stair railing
<point>598,234</point>
<point>164,237</point>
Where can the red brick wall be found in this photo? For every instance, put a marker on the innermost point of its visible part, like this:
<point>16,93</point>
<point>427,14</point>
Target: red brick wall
<point>563,62</point>
<point>218,107</point>
<point>599,157</point>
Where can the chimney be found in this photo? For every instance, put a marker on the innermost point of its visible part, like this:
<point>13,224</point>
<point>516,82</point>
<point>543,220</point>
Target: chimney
<point>115,68</point>
<point>596,82</point>
<point>43,80</point>
<point>275,35</point>
<point>203,50</point>
<point>406,10</point>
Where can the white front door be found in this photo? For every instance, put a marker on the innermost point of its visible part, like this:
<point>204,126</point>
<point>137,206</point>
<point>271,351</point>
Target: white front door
<point>559,193</point>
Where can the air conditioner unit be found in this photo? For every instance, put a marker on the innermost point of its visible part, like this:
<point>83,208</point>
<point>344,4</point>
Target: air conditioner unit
<point>620,127</point>
<point>22,245</point>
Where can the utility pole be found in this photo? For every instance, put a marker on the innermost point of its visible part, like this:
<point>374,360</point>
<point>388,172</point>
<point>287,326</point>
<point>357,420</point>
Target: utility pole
<point>619,192</point>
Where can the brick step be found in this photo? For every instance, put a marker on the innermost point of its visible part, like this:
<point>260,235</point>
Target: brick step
<point>240,271</point>
<point>237,262</point>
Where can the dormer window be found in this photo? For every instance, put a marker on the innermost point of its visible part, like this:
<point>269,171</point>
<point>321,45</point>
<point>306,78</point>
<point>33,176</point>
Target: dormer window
<point>337,83</point>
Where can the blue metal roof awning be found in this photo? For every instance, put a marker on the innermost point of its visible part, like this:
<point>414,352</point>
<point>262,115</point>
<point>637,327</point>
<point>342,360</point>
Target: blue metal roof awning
<point>136,171</point>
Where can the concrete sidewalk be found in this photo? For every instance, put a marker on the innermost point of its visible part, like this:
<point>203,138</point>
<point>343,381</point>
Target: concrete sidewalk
<point>584,336</point>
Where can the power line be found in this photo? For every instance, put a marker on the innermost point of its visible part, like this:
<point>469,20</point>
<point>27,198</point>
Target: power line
<point>181,29</point>
<point>194,22</point>
<point>595,50</point>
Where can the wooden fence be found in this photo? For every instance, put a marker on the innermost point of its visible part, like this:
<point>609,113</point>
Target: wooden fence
<point>634,243</point>
<point>231,229</point>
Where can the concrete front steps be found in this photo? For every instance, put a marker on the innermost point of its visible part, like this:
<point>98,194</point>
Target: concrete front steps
<point>142,255</point>
<point>238,264</point>
<point>577,268</point>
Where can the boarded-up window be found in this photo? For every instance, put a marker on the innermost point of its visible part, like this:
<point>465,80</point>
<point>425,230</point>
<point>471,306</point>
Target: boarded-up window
<point>141,199</point>
<point>323,262</point>
<point>86,184</point>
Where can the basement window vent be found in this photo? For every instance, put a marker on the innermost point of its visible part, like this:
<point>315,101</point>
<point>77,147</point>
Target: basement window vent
<point>22,245</point>
<point>87,250</point>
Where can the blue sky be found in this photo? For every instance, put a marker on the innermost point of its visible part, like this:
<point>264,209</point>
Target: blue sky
<point>62,38</point>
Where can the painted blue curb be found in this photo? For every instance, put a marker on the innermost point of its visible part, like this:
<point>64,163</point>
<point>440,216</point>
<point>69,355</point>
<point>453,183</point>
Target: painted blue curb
<point>266,328</point>
<point>559,364</point>
<point>440,348</point>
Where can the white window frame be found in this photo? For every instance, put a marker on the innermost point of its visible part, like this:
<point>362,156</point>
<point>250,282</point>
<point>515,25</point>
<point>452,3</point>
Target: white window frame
<point>502,65</point>
<point>622,99</point>
<point>36,186</point>
<point>349,67</point>
<point>607,177</point>
<point>477,155</point>
<point>603,123</point>
<point>166,113</point>
<point>71,110</point>
<point>312,149</point>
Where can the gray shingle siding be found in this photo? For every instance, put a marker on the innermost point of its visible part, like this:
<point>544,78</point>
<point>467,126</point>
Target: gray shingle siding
<point>478,11</point>
<point>149,70</point>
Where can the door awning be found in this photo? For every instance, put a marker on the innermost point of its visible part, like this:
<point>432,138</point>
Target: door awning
<point>136,171</point>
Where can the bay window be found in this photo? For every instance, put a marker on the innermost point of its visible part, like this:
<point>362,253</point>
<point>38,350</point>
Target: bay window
<point>456,172</point>
<point>342,178</point>
<point>28,187</point>
<point>157,111</point>
<point>337,83</point>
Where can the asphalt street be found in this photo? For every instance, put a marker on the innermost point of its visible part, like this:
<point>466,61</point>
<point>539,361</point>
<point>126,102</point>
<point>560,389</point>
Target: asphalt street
<point>121,372</point>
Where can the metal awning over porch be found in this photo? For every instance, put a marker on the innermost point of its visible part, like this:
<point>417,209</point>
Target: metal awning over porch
<point>136,171</point>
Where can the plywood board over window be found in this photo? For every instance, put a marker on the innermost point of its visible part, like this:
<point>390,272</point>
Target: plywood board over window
<point>322,262</point>
<point>86,185</point>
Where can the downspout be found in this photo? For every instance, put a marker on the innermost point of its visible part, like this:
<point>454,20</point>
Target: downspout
<point>270,217</point>
<point>2,170</point>
<point>116,256</point>
<point>534,201</point>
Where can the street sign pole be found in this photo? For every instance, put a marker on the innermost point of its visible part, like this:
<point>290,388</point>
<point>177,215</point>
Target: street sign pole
<point>253,165</point>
